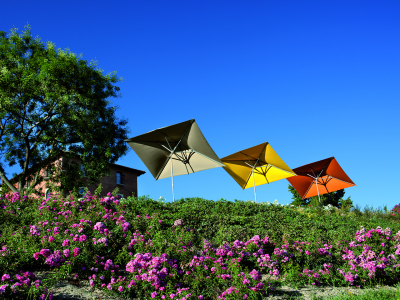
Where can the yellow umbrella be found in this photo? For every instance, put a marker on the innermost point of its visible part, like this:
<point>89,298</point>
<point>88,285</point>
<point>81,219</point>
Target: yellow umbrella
<point>256,166</point>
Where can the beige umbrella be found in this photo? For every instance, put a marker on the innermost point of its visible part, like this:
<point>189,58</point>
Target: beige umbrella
<point>175,150</point>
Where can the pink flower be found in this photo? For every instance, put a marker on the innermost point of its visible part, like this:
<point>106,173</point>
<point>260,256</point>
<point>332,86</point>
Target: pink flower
<point>120,289</point>
<point>66,252</point>
<point>36,255</point>
<point>51,239</point>
<point>66,243</point>
<point>76,251</point>
<point>5,277</point>
<point>45,252</point>
<point>82,238</point>
<point>153,295</point>
<point>308,252</point>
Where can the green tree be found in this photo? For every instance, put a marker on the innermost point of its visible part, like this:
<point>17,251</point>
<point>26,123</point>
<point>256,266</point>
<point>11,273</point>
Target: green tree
<point>297,200</point>
<point>52,101</point>
<point>334,199</point>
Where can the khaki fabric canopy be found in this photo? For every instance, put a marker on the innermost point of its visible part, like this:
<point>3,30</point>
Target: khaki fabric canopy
<point>318,178</point>
<point>256,166</point>
<point>175,150</point>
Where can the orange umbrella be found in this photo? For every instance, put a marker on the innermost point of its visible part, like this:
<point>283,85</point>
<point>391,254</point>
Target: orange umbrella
<point>318,178</point>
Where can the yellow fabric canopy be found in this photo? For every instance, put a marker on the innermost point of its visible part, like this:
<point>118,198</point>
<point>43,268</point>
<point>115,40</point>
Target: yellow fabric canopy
<point>256,166</point>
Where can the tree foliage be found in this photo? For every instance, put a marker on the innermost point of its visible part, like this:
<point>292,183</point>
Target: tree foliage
<point>335,199</point>
<point>52,101</point>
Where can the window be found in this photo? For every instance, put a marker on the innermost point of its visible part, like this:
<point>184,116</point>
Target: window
<point>120,178</point>
<point>47,193</point>
<point>82,190</point>
<point>121,195</point>
<point>83,170</point>
<point>28,183</point>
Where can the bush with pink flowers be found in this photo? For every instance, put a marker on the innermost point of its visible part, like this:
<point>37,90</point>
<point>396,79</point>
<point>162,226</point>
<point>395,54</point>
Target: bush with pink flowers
<point>190,249</point>
<point>396,210</point>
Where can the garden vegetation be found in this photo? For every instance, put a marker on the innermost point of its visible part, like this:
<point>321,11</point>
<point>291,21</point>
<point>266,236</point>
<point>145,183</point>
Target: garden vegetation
<point>192,248</point>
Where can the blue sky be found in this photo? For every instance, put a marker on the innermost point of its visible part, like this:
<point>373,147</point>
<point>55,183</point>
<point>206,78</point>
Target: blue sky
<point>313,78</point>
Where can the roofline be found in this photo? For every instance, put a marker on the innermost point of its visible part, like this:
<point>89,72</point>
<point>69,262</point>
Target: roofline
<point>61,153</point>
<point>139,172</point>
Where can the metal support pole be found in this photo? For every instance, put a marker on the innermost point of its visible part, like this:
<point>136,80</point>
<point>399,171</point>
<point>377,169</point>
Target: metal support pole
<point>172,178</point>
<point>319,198</point>
<point>254,185</point>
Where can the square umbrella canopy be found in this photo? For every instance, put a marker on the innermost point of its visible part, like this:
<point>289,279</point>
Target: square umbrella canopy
<point>175,150</point>
<point>256,166</point>
<point>318,178</point>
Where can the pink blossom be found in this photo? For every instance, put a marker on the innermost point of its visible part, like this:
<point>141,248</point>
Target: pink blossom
<point>5,277</point>
<point>66,252</point>
<point>76,251</point>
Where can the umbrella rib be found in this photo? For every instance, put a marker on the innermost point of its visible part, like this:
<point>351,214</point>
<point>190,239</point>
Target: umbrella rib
<point>211,159</point>
<point>324,168</point>
<point>312,171</point>
<point>312,176</point>
<point>282,169</point>
<point>184,134</point>
<point>168,142</point>
<point>171,153</point>
<point>166,147</point>
<point>342,180</point>
<point>163,167</point>
<point>265,174</point>
<point>189,157</point>
<point>252,167</point>
<point>309,189</point>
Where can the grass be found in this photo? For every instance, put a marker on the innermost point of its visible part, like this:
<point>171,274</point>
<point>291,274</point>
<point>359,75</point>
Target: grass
<point>196,248</point>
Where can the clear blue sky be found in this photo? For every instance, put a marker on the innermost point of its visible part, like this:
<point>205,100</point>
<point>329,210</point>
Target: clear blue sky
<point>313,78</point>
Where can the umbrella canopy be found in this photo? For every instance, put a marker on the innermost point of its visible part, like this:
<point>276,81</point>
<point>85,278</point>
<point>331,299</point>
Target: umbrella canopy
<point>320,178</point>
<point>256,166</point>
<point>175,150</point>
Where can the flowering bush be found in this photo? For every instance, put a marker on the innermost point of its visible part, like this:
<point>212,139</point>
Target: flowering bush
<point>396,210</point>
<point>184,250</point>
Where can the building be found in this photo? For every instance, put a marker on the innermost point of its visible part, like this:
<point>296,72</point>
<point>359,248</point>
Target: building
<point>124,178</point>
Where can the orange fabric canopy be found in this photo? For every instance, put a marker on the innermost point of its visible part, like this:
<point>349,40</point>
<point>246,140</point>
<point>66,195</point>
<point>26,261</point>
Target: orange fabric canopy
<point>318,178</point>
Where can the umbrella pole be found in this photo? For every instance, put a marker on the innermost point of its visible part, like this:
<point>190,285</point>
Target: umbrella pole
<point>319,198</point>
<point>254,185</point>
<point>172,179</point>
